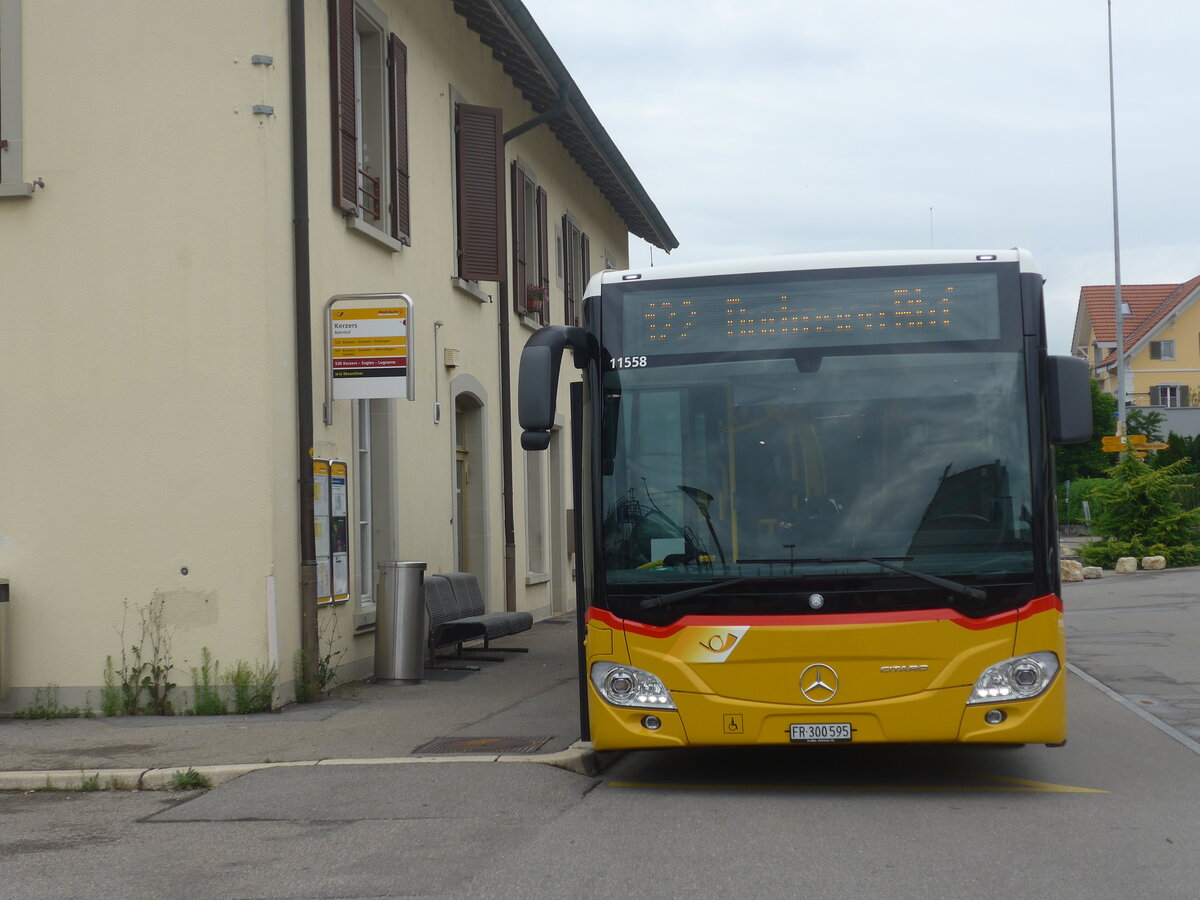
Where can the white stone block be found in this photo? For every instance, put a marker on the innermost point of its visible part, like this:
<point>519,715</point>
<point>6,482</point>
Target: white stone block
<point>1126,565</point>
<point>1070,570</point>
<point>1093,572</point>
<point>1154,562</point>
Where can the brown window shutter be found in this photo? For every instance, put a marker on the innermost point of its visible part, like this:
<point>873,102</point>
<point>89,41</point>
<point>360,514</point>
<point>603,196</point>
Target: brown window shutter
<point>401,225</point>
<point>568,274</point>
<point>585,263</point>
<point>345,125</point>
<point>480,178</point>
<point>585,267</point>
<point>518,239</point>
<point>543,255</point>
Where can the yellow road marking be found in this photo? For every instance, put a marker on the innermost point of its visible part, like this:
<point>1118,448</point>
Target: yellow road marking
<point>1044,786</point>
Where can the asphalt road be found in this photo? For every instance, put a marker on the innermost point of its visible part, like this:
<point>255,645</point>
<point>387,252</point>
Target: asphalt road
<point>1114,813</point>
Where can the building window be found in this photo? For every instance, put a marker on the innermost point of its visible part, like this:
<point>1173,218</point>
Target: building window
<point>536,532</point>
<point>531,258</point>
<point>1162,349</point>
<point>1171,395</point>
<point>479,193</point>
<point>576,269</point>
<point>370,119</point>
<point>11,183</point>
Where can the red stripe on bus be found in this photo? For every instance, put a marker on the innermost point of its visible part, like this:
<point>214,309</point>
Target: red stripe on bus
<point>1009,617</point>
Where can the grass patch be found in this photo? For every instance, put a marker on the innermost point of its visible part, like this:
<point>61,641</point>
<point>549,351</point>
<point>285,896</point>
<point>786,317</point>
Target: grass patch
<point>190,780</point>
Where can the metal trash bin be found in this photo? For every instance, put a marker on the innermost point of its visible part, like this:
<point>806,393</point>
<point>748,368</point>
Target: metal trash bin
<point>400,622</point>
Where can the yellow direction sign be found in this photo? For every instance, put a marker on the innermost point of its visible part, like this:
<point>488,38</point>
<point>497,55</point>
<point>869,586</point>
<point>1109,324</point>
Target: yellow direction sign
<point>1137,442</point>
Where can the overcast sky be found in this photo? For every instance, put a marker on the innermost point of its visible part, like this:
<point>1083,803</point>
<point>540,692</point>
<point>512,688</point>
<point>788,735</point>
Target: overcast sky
<point>780,126</point>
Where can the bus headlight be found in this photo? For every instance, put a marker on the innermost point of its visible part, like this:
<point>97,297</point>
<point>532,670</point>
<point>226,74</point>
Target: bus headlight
<point>1019,678</point>
<point>624,685</point>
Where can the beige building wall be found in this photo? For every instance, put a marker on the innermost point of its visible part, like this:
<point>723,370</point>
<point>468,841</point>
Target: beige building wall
<point>149,398</point>
<point>149,418</point>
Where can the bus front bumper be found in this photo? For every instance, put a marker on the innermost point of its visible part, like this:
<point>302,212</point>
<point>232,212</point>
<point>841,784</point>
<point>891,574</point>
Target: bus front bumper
<point>934,716</point>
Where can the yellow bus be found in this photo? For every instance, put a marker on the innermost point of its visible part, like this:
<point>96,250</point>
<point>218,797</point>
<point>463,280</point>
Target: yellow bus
<point>815,499</point>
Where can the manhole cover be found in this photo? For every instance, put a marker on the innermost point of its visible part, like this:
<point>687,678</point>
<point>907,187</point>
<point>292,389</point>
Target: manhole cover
<point>469,744</point>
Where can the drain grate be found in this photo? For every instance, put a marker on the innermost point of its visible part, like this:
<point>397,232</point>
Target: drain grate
<point>470,744</point>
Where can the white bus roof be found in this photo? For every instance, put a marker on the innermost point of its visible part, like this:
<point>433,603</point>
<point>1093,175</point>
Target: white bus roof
<point>803,261</point>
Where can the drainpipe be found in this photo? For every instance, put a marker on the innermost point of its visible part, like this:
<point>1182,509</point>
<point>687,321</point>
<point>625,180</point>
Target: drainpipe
<point>309,639</point>
<point>506,427</point>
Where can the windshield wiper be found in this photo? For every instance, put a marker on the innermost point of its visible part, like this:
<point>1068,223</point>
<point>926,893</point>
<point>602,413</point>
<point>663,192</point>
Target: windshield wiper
<point>963,590</point>
<point>668,599</point>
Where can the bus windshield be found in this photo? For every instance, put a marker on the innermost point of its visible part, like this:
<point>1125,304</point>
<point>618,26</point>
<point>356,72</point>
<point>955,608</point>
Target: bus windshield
<point>794,473</point>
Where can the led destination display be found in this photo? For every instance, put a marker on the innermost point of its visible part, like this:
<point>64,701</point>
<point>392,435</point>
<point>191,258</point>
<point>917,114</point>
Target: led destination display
<point>826,312</point>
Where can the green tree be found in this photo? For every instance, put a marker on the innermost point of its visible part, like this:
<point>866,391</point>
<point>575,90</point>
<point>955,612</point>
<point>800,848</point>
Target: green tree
<point>1141,515</point>
<point>1179,447</point>
<point>1145,421</point>
<point>1087,460</point>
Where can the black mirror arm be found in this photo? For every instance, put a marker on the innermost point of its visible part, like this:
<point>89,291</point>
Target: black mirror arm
<point>537,385</point>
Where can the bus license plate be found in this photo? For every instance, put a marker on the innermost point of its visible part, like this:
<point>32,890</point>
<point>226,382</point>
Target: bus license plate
<point>822,733</point>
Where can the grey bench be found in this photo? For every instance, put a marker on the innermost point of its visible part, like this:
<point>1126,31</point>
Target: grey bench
<point>456,614</point>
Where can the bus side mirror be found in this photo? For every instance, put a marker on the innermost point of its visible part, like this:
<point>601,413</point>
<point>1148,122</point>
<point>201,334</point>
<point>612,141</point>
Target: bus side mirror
<point>537,384</point>
<point>1069,400</point>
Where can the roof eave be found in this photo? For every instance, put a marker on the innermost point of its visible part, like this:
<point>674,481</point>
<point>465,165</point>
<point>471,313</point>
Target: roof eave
<point>517,42</point>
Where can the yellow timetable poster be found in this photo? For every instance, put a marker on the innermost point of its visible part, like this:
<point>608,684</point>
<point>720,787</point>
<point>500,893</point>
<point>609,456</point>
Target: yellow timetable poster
<point>321,528</point>
<point>339,531</point>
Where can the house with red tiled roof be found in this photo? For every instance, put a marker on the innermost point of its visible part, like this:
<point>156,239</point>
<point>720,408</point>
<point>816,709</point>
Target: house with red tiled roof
<point>1161,333</point>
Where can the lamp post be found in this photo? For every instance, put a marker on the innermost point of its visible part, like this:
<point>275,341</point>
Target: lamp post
<point>1120,323</point>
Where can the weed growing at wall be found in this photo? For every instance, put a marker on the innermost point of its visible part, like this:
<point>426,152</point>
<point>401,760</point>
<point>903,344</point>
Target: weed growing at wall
<point>206,697</point>
<point>253,687</point>
<point>327,665</point>
<point>46,706</point>
<point>145,668</point>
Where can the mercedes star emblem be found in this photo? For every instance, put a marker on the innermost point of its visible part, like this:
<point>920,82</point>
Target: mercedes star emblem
<point>818,683</point>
